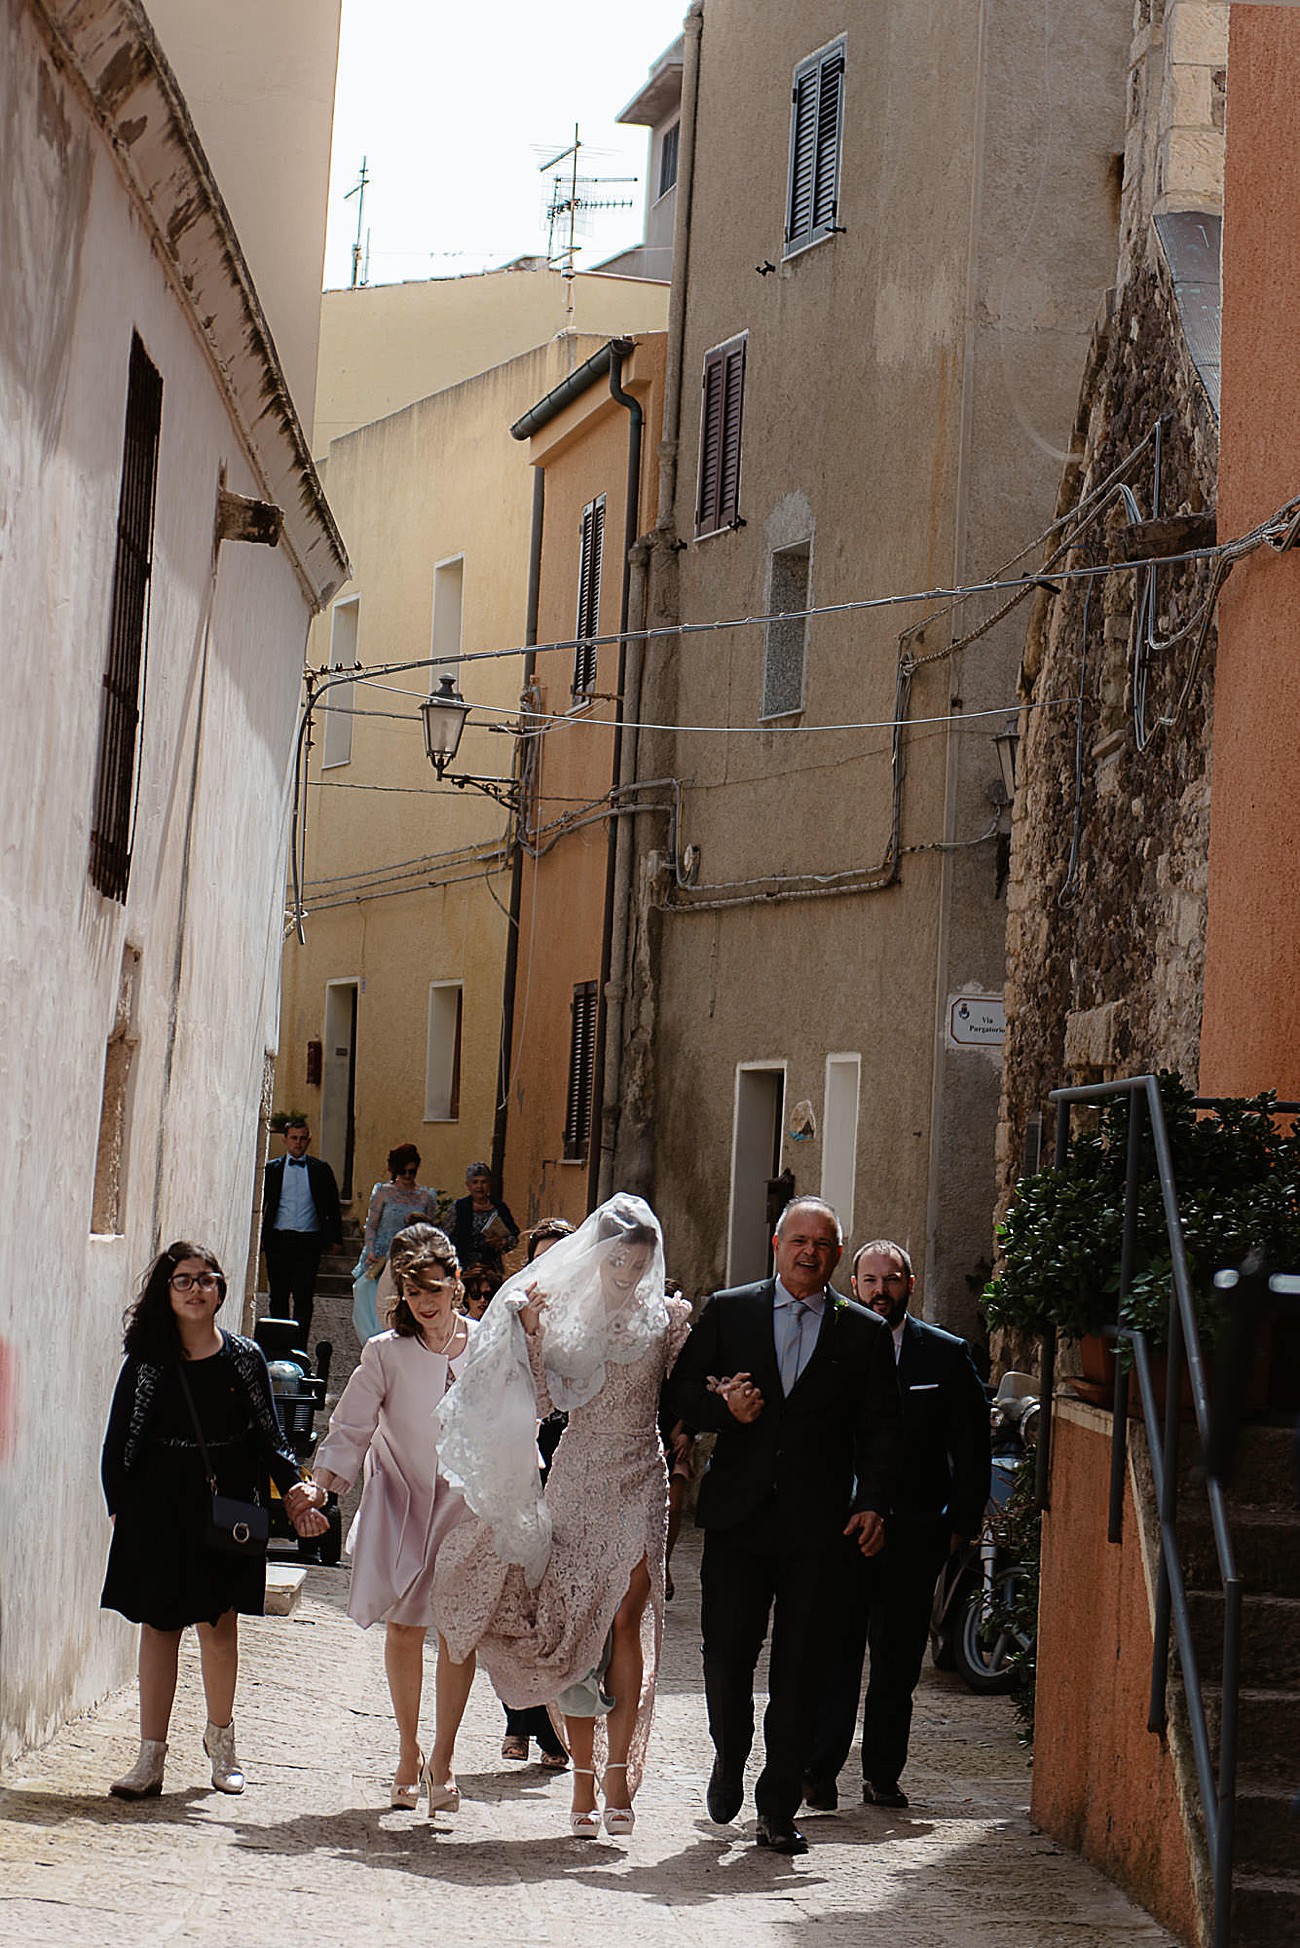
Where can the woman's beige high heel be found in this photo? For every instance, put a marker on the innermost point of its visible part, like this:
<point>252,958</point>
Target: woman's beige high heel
<point>584,1826</point>
<point>442,1799</point>
<point>407,1798</point>
<point>619,1820</point>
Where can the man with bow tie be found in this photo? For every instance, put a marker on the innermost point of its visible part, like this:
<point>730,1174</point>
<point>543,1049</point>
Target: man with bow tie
<point>300,1216</point>
<point>799,1385</point>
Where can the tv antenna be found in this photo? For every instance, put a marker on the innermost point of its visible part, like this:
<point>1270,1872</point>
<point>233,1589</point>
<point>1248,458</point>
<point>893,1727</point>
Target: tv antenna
<point>573,199</point>
<point>360,270</point>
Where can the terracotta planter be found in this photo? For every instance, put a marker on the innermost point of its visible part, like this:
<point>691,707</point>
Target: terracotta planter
<point>1097,1382</point>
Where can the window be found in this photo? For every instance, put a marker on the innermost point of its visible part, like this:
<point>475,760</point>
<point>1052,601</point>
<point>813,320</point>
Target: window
<point>345,621</point>
<point>785,643</point>
<point>718,501</point>
<point>816,122</point>
<point>668,158</point>
<point>589,563</point>
<point>111,832</point>
<point>442,1062</point>
<point>448,604</point>
<point>840,1134</point>
<point>582,1067</point>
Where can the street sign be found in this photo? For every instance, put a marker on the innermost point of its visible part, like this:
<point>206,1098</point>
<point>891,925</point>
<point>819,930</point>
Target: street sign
<point>976,1020</point>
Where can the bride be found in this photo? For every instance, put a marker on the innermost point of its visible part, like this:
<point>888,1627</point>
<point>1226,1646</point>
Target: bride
<point>562,1593</point>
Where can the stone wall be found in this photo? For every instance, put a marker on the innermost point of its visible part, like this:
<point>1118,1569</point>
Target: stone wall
<point>1106,900</point>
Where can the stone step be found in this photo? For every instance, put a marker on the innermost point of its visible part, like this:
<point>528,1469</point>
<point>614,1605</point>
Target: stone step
<point>1265,1910</point>
<point>1265,1541</point>
<point>1266,1834</point>
<point>1270,1638</point>
<point>1264,1469</point>
<point>1268,1733</point>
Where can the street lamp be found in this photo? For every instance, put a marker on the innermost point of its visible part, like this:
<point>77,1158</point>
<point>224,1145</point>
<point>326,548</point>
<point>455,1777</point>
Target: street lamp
<point>444,715</point>
<point>1007,744</point>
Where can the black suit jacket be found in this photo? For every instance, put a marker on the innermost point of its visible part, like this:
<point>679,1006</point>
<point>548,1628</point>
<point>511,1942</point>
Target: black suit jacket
<point>809,1461</point>
<point>946,1462</point>
<point>324,1195</point>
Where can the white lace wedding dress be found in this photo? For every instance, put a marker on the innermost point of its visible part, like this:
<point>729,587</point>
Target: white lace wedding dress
<point>607,1494</point>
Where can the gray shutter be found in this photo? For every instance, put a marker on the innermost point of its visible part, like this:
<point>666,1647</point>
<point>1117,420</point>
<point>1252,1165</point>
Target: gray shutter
<point>816,121</point>
<point>721,415</point>
<point>826,173</point>
<point>733,397</point>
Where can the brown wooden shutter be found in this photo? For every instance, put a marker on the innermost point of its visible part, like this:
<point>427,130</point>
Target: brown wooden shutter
<point>589,569</point>
<point>721,417</point>
<point>111,830</point>
<point>816,124</point>
<point>582,1062</point>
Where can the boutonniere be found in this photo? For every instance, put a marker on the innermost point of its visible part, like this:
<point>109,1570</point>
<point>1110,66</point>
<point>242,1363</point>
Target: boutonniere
<point>838,1303</point>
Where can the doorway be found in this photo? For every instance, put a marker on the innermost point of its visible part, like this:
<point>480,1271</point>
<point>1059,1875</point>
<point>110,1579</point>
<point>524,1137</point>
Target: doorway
<point>339,1082</point>
<point>755,1160</point>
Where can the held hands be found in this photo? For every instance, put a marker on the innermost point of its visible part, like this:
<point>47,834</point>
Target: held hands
<point>742,1397</point>
<point>302,1505</point>
<point>869,1530</point>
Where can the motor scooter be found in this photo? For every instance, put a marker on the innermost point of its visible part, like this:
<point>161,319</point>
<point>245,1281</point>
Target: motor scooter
<point>971,1630</point>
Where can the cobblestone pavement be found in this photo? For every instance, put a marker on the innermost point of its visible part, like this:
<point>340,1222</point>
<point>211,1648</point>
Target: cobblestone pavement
<point>312,1853</point>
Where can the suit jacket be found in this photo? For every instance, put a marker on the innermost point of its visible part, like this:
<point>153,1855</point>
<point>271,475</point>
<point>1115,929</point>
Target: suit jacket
<point>832,1447</point>
<point>324,1195</point>
<point>946,1463</point>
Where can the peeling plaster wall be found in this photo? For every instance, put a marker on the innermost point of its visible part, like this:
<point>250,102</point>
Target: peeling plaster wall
<point>224,654</point>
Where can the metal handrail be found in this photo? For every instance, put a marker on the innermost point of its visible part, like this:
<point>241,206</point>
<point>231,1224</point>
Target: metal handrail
<point>1218,1794</point>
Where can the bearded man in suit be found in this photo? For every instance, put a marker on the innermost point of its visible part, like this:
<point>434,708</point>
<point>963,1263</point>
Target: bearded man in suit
<point>799,1385</point>
<point>938,1506</point>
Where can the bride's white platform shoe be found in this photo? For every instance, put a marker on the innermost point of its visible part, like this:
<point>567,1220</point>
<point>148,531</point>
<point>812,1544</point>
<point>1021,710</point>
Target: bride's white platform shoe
<point>584,1826</point>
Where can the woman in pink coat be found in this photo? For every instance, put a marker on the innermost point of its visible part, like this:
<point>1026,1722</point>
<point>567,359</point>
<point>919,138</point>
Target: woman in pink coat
<point>384,1419</point>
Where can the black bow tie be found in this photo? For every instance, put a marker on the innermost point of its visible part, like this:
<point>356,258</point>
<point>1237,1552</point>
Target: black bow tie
<point>300,1161</point>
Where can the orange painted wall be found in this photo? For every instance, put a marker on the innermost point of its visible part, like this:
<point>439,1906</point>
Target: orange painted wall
<point>1251,1029</point>
<point>1102,1783</point>
<point>584,454</point>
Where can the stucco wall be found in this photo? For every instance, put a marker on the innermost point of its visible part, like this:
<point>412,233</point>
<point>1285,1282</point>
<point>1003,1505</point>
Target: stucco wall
<point>1102,1783</point>
<point>909,385</point>
<point>441,479</point>
<point>1254,873</point>
<point>225,643</point>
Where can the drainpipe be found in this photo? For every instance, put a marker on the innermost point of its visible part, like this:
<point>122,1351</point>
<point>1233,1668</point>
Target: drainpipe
<point>603,1114</point>
<point>510,973</point>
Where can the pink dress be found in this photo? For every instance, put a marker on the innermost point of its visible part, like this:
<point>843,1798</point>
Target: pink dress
<point>384,1417</point>
<point>608,1496</point>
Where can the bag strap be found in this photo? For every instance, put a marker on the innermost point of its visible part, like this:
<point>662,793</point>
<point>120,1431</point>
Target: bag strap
<point>203,1446</point>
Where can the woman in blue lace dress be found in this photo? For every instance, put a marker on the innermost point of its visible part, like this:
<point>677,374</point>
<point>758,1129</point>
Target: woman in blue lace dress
<point>393,1206</point>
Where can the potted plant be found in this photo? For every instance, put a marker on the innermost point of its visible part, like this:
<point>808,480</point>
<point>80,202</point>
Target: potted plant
<point>1238,1184</point>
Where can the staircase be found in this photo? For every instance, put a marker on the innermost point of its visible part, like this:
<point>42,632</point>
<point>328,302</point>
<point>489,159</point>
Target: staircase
<point>1265,1525</point>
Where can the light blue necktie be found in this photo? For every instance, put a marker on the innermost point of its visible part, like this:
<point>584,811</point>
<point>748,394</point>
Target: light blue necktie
<point>792,1361</point>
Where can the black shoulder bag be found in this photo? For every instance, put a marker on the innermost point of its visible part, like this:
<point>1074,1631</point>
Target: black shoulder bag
<point>234,1528</point>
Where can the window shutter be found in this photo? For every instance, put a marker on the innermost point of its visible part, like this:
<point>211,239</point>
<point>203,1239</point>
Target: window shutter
<point>816,122</point>
<point>582,1060</point>
<point>721,418</point>
<point>111,831</point>
<point>589,567</point>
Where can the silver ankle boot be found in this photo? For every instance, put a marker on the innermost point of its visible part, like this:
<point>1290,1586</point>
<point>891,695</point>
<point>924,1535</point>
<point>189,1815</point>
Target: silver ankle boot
<point>144,1780</point>
<point>219,1744</point>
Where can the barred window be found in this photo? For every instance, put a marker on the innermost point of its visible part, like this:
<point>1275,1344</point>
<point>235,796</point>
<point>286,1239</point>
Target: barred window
<point>112,829</point>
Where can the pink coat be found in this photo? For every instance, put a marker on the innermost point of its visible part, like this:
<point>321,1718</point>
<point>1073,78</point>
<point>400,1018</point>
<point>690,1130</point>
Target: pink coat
<point>384,1419</point>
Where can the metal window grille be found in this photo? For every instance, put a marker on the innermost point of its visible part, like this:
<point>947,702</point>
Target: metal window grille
<point>589,566</point>
<point>721,412</point>
<point>582,1066</point>
<point>119,729</point>
<point>816,126</point>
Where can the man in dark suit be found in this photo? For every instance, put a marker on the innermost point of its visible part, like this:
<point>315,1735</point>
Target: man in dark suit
<point>799,1385</point>
<point>300,1216</point>
<point>939,1504</point>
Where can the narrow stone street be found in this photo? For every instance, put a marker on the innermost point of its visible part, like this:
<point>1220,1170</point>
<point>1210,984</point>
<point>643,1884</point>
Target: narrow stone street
<point>311,1852</point>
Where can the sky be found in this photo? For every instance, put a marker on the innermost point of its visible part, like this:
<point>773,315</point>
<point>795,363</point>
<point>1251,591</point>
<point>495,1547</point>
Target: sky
<point>454,109</point>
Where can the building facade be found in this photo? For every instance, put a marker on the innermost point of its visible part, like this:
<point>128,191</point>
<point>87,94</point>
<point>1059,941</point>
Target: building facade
<point>149,447</point>
<point>884,279</point>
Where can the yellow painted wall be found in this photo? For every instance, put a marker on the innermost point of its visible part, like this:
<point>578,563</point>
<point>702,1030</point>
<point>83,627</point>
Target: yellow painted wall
<point>440,479</point>
<point>388,344</point>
